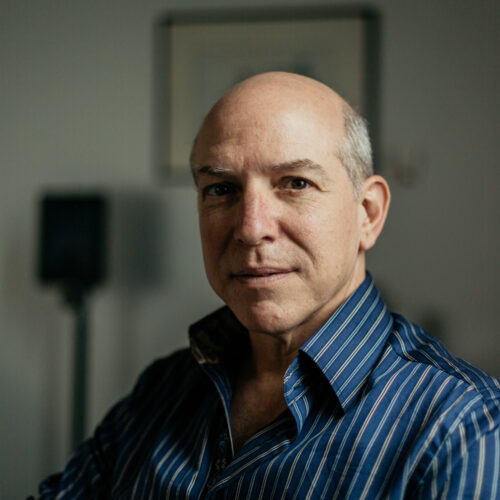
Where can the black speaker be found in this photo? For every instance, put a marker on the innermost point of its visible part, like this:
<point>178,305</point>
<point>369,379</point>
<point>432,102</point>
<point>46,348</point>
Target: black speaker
<point>72,240</point>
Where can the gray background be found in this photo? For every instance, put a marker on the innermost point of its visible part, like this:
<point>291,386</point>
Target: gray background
<point>75,111</point>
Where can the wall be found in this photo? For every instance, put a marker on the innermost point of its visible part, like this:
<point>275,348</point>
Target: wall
<point>75,102</point>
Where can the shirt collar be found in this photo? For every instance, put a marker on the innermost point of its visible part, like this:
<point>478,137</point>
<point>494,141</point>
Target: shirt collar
<point>348,345</point>
<point>218,338</point>
<point>345,348</point>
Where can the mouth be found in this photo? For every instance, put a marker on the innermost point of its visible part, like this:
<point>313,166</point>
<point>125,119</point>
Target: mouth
<point>261,275</point>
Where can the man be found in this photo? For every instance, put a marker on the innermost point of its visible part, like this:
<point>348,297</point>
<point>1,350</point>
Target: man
<point>305,385</point>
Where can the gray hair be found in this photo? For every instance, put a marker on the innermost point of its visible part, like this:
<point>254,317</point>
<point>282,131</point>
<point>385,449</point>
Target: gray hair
<point>354,150</point>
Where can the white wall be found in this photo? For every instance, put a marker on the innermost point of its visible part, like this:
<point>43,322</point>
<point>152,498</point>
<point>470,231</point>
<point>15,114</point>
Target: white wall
<point>75,102</point>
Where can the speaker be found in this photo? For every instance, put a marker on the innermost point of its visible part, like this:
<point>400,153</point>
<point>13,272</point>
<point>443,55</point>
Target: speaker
<point>72,239</point>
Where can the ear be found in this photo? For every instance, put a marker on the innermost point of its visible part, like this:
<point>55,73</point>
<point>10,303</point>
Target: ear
<point>375,199</point>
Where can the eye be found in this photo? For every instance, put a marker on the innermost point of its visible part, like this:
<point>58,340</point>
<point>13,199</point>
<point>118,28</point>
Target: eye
<point>297,183</point>
<point>218,189</point>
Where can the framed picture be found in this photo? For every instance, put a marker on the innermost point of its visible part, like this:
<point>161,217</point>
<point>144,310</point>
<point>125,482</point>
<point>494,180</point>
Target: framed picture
<point>201,54</point>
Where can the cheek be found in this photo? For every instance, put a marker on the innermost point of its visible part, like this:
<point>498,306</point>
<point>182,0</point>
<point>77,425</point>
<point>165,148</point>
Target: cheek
<point>331,234</point>
<point>207,239</point>
<point>212,242</point>
<point>211,261</point>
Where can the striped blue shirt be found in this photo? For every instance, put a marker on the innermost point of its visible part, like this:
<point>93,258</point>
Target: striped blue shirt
<point>377,408</point>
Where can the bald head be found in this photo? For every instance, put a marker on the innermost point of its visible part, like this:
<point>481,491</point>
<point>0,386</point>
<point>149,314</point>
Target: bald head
<point>281,100</point>
<point>283,92</point>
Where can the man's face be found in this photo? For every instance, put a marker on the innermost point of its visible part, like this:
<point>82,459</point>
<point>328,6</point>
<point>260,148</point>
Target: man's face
<point>279,223</point>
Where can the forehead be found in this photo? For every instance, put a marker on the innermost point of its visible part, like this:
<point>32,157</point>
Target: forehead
<point>266,133</point>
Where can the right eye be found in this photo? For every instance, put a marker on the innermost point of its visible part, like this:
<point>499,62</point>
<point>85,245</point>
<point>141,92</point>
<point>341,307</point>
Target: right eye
<point>218,189</point>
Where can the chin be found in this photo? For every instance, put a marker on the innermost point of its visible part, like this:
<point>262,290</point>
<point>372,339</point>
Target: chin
<point>264,318</point>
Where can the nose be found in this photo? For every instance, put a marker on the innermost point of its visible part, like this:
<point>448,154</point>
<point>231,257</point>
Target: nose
<point>256,217</point>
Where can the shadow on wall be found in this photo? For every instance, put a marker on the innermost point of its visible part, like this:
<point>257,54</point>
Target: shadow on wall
<point>137,253</point>
<point>137,269</point>
<point>429,317</point>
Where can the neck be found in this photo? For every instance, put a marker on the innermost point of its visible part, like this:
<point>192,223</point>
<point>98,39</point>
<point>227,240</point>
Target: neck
<point>271,356</point>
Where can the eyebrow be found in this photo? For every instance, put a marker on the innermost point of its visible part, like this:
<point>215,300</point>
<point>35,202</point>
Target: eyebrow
<point>213,170</point>
<point>300,164</point>
<point>303,163</point>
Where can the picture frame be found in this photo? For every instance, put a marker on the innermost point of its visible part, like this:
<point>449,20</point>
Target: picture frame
<point>200,54</point>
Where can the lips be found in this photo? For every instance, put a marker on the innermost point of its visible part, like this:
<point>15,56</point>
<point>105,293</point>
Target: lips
<point>260,272</point>
<point>261,276</point>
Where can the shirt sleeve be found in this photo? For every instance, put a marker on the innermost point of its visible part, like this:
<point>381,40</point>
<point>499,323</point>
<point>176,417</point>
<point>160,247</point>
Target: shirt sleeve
<point>89,472</point>
<point>467,464</point>
<point>93,471</point>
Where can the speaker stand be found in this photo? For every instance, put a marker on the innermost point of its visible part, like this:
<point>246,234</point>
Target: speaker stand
<point>75,297</point>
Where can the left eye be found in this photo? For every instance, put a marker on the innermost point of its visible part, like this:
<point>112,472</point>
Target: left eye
<point>297,183</point>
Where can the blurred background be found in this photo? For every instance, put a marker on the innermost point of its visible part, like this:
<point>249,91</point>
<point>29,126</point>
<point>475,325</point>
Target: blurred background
<point>76,82</point>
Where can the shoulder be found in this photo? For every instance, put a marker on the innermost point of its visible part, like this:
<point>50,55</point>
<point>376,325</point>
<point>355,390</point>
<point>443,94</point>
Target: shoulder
<point>132,424</point>
<point>166,374</point>
<point>454,406</point>
<point>413,344</point>
<point>463,392</point>
<point>160,387</point>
